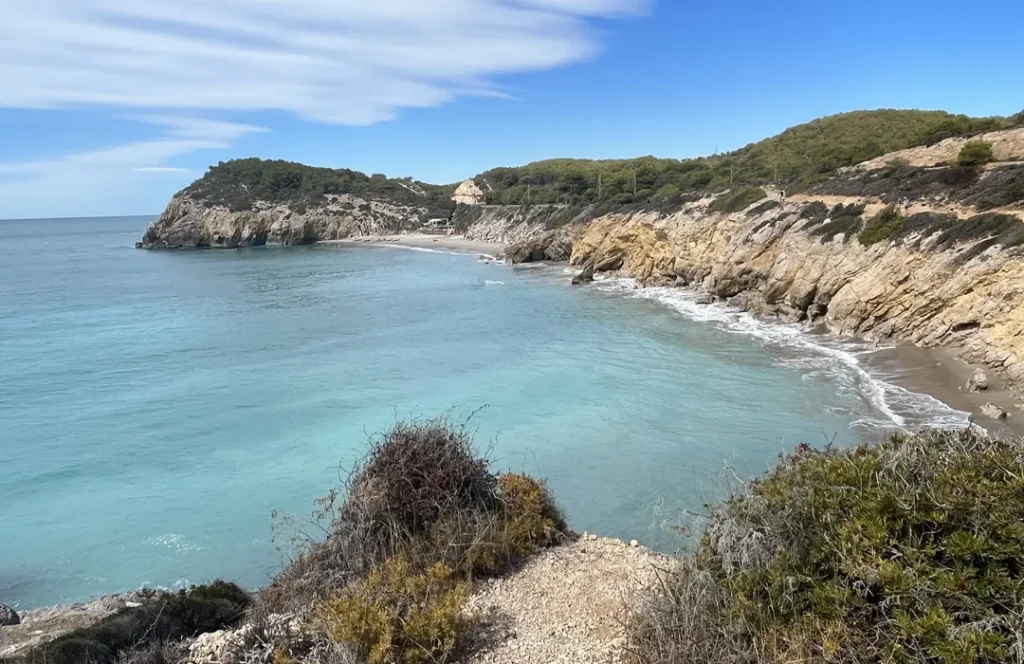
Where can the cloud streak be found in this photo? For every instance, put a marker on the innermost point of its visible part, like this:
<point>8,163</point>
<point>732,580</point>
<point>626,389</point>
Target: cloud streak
<point>336,61</point>
<point>165,62</point>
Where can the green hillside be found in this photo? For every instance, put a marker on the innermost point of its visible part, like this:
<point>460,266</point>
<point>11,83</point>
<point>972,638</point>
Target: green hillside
<point>794,159</point>
<point>240,182</point>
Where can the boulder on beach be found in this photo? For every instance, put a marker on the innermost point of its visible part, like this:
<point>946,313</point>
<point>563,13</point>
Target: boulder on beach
<point>993,411</point>
<point>8,616</point>
<point>978,381</point>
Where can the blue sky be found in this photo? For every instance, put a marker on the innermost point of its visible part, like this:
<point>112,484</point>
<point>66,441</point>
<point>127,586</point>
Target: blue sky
<point>107,107</point>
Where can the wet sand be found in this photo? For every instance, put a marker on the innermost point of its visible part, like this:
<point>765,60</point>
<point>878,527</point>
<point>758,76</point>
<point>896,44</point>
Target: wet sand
<point>457,243</point>
<point>937,372</point>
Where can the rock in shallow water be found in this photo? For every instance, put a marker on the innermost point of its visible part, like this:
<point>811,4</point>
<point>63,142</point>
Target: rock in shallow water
<point>585,276</point>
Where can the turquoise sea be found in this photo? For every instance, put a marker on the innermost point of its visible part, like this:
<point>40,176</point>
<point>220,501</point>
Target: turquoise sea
<point>156,407</point>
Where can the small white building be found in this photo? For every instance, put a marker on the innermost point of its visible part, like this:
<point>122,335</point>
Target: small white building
<point>438,225</point>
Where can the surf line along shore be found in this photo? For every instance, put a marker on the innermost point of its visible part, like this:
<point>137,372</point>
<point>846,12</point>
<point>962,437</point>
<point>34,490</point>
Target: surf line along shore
<point>934,372</point>
<point>452,243</point>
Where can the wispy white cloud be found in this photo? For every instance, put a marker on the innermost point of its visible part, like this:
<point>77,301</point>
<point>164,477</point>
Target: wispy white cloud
<point>339,61</point>
<point>353,62</point>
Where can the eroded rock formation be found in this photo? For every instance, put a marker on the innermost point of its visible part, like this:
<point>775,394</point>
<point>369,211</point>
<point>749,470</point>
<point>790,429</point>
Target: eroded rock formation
<point>773,264</point>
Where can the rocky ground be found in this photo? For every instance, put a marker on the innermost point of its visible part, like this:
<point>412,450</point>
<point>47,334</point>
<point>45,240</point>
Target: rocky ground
<point>42,625</point>
<point>566,606</point>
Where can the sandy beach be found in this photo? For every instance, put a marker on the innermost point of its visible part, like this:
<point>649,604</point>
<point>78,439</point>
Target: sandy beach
<point>457,243</point>
<point>938,373</point>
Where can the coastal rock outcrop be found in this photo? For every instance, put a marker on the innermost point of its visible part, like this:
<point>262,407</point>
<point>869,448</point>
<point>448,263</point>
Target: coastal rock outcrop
<point>927,286</point>
<point>585,276</point>
<point>554,246</point>
<point>192,222</point>
<point>8,616</point>
<point>468,193</point>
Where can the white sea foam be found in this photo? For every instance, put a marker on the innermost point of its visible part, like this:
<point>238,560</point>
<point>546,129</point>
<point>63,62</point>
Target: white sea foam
<point>489,282</point>
<point>426,249</point>
<point>816,355</point>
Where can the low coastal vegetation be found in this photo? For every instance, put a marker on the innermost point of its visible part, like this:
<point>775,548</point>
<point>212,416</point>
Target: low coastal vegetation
<point>148,633</point>
<point>909,550</point>
<point>975,153</point>
<point>239,183</point>
<point>882,226</point>
<point>738,199</point>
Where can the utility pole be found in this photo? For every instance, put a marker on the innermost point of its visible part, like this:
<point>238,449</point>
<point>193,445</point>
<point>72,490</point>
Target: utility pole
<point>528,193</point>
<point>634,183</point>
<point>599,186</point>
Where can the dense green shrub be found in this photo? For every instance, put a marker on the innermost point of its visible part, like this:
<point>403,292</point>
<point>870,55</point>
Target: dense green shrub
<point>397,615</point>
<point>761,208</point>
<point>737,199</point>
<point>241,182</point>
<point>974,153</point>
<point>881,227</point>
<point>166,618</point>
<point>841,219</point>
<point>909,550</point>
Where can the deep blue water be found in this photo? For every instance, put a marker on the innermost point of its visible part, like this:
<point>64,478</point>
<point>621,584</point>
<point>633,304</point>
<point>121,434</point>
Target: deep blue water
<point>156,407</point>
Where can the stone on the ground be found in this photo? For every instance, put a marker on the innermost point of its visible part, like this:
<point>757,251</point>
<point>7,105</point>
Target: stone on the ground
<point>8,616</point>
<point>993,411</point>
<point>634,543</point>
<point>978,381</point>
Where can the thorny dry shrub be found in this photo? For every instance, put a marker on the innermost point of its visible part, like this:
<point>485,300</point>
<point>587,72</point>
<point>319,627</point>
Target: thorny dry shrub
<point>415,476</point>
<point>911,550</point>
<point>422,502</point>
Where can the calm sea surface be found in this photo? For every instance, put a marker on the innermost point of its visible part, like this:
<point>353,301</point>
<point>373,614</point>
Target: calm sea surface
<point>155,408</point>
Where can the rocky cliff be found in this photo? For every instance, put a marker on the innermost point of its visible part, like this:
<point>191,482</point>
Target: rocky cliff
<point>192,222</point>
<point>938,280</point>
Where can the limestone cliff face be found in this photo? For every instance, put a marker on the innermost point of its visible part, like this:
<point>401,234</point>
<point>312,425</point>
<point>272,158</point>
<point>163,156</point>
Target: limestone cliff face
<point>769,263</point>
<point>510,224</point>
<point>188,222</point>
<point>468,193</point>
